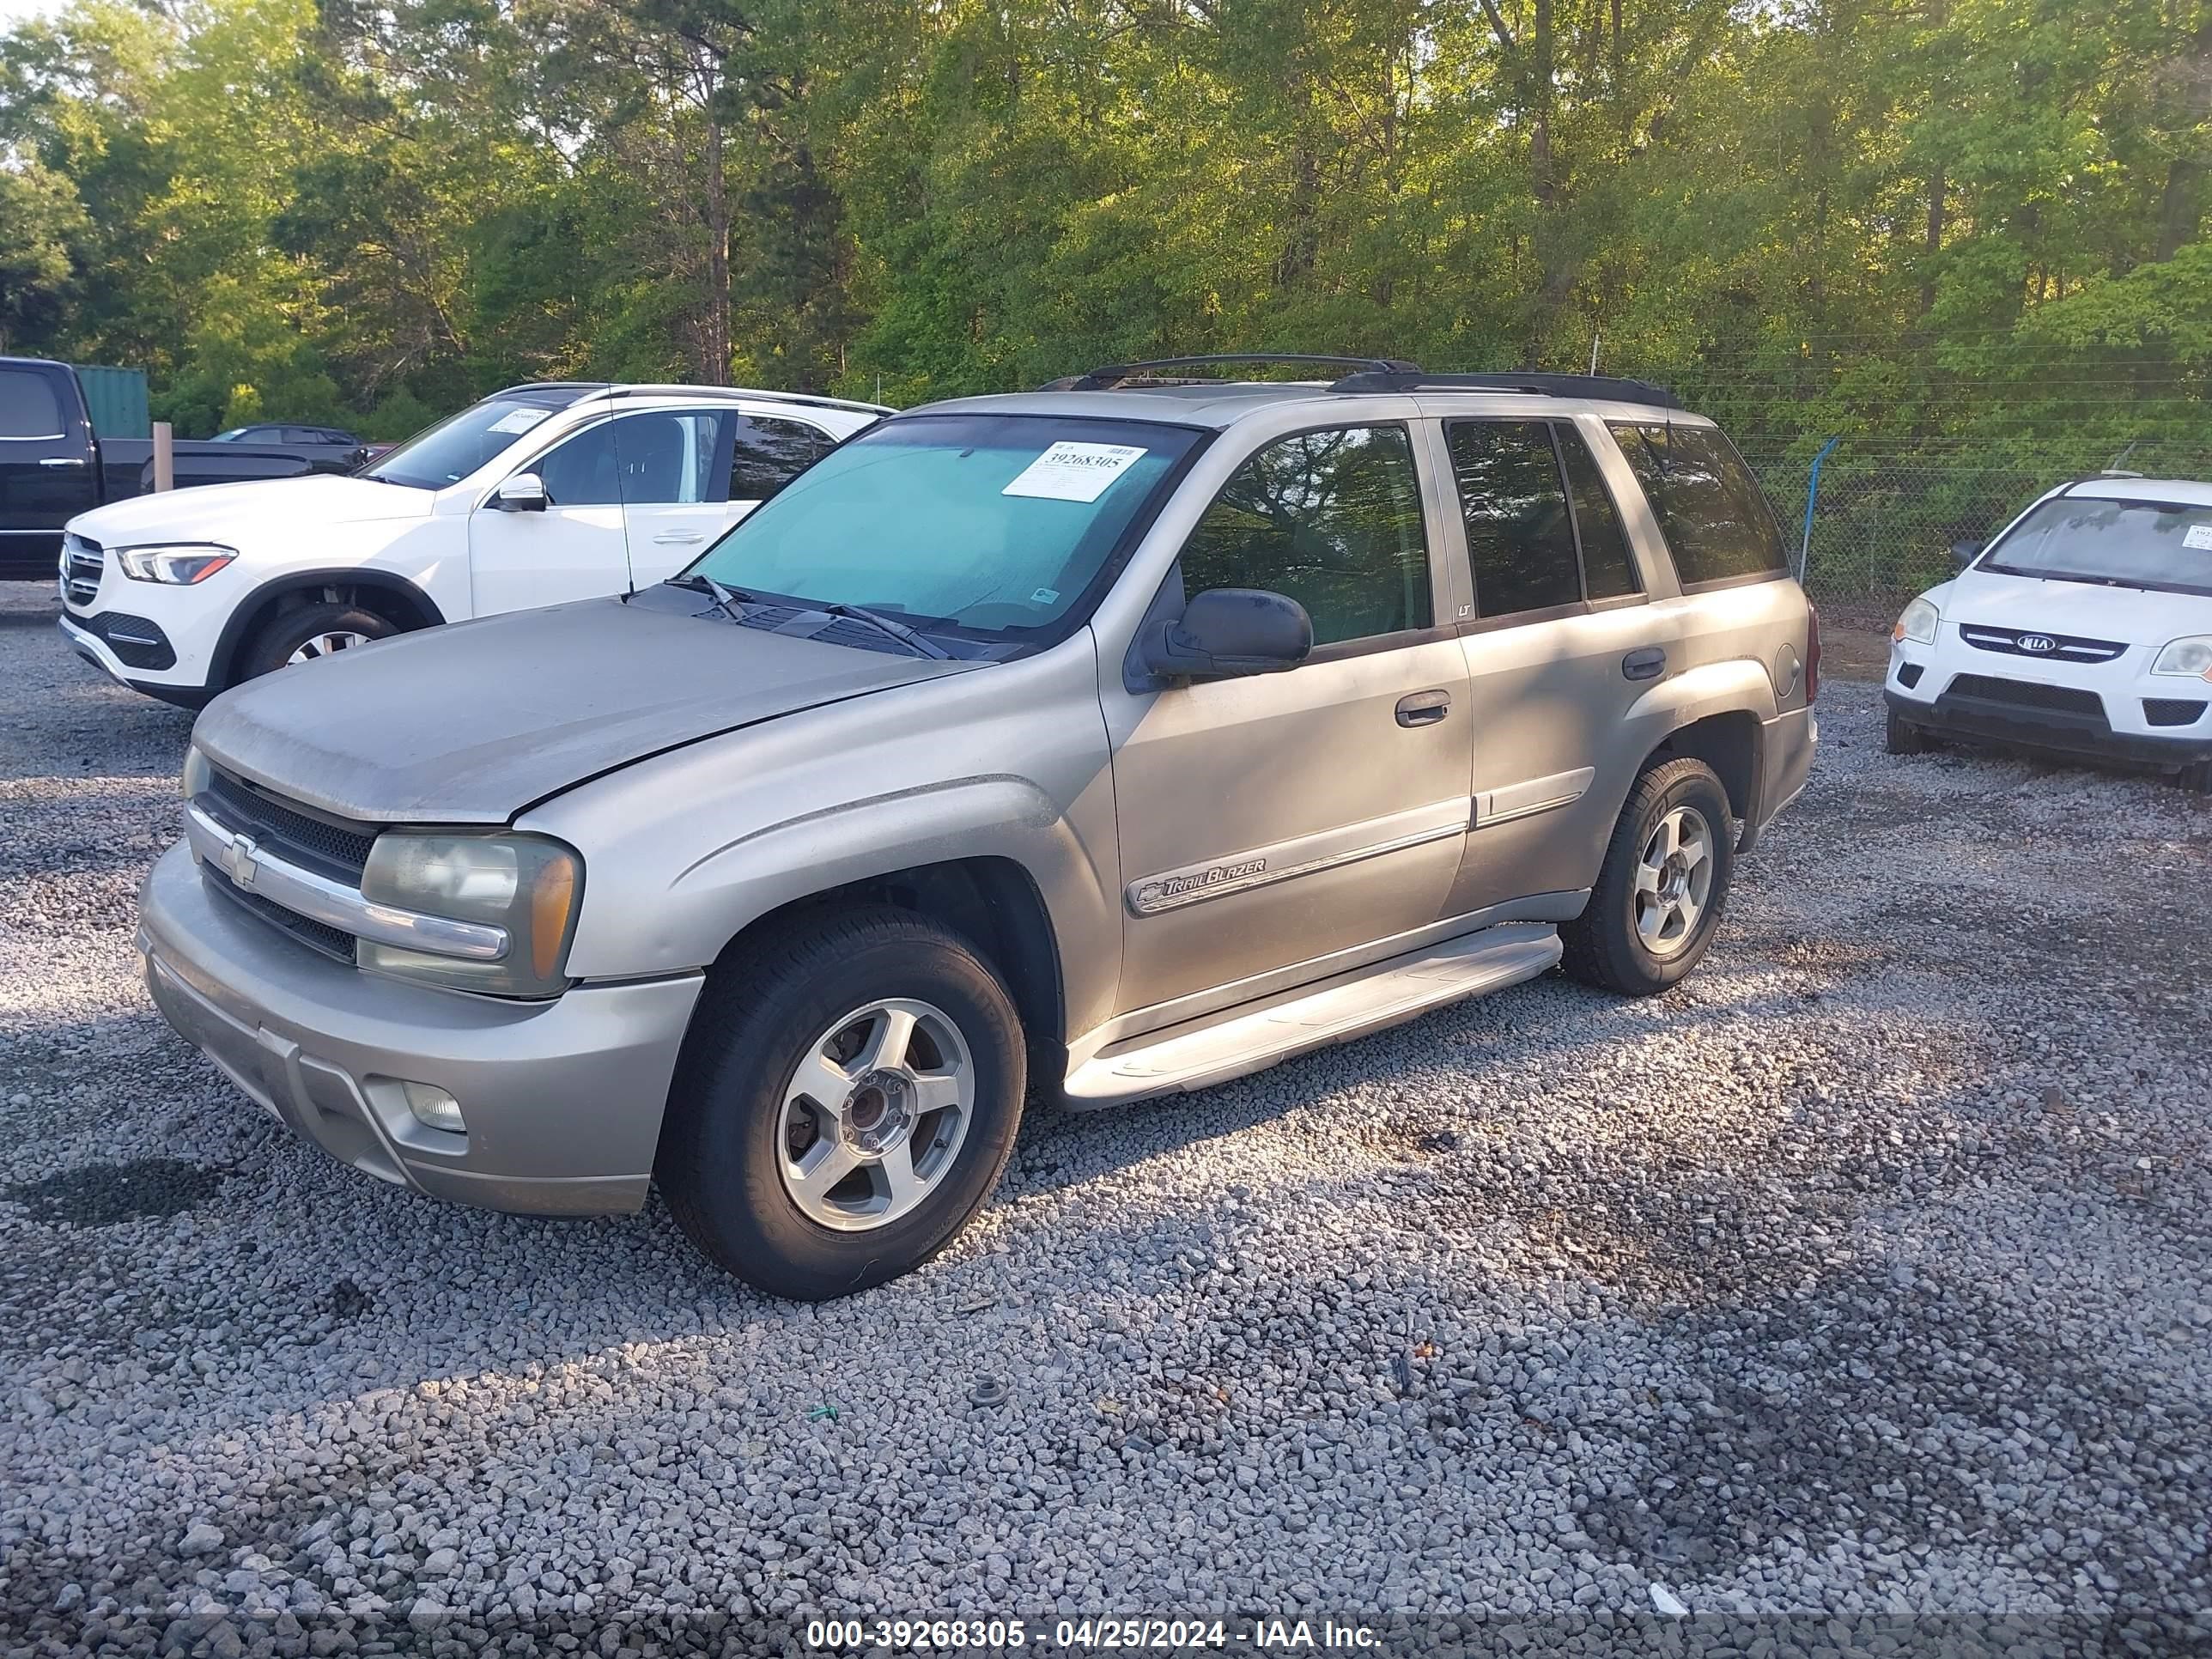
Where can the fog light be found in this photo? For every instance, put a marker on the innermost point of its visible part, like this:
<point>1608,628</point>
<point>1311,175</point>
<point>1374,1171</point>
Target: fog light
<point>434,1107</point>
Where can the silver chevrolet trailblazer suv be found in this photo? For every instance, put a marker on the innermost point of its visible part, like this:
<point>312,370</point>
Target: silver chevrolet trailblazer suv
<point>1110,740</point>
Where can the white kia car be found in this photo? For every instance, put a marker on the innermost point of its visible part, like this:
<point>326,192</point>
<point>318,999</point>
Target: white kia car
<point>536,495</point>
<point>2085,628</point>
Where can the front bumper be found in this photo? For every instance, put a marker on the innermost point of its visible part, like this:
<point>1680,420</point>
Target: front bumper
<point>96,649</point>
<point>2096,712</point>
<point>562,1099</point>
<point>2080,737</point>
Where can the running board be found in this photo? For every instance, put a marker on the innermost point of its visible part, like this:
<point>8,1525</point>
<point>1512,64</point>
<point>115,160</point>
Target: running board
<point>1252,1037</point>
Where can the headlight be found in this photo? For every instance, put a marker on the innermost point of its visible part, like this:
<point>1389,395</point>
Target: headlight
<point>525,884</point>
<point>179,565</point>
<point>198,775</point>
<point>2188,656</point>
<point>1918,623</point>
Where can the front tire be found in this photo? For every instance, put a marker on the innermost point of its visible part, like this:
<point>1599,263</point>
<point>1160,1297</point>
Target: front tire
<point>309,632</point>
<point>1901,736</point>
<point>847,1099</point>
<point>2195,778</point>
<point>1659,897</point>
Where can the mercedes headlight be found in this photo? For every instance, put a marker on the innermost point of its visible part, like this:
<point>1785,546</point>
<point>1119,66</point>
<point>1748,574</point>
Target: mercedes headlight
<point>178,564</point>
<point>2191,656</point>
<point>526,884</point>
<point>1918,623</point>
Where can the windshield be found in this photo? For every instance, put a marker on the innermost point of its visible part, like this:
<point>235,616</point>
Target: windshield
<point>995,527</point>
<point>449,452</point>
<point>2163,545</point>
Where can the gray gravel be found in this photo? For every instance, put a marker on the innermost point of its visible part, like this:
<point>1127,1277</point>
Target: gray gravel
<point>1865,1275</point>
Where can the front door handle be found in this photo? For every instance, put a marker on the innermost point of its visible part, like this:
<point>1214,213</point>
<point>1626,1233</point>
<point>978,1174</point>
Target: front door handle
<point>1648,664</point>
<point>1424,707</point>
<point>61,460</point>
<point>680,538</point>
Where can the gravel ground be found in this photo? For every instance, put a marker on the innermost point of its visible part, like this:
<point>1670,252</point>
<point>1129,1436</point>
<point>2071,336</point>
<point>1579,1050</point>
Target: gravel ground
<point>1862,1278</point>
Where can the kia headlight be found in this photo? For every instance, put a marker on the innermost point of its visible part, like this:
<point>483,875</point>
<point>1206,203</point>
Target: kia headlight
<point>528,885</point>
<point>174,564</point>
<point>1918,623</point>
<point>2191,656</point>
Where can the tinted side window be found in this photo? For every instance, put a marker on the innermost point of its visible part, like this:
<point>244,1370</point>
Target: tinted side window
<point>1609,572</point>
<point>1718,523</point>
<point>1333,520</point>
<point>769,453</point>
<point>28,408</point>
<point>668,458</point>
<point>1519,538</point>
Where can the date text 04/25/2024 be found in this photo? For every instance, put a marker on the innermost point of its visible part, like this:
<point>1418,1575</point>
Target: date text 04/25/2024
<point>1102,1635</point>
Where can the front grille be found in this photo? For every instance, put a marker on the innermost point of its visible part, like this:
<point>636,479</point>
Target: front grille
<point>2172,711</point>
<point>333,942</point>
<point>82,561</point>
<point>2048,647</point>
<point>299,837</point>
<point>2027,693</point>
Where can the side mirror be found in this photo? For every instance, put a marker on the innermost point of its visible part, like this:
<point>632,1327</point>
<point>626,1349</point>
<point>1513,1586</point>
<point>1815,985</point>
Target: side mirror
<point>523,493</point>
<point>1228,631</point>
<point>1964,553</point>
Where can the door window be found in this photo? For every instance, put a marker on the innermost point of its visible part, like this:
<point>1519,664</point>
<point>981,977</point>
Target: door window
<point>1609,571</point>
<point>656,459</point>
<point>1519,537</point>
<point>769,454</point>
<point>1716,521</point>
<point>1331,519</point>
<point>28,408</point>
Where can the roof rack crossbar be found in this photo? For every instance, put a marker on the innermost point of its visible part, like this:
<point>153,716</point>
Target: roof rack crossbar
<point>1537,381</point>
<point>1108,376</point>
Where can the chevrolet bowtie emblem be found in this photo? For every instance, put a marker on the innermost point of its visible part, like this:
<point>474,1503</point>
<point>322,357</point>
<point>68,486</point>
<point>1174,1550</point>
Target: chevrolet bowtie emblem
<point>239,860</point>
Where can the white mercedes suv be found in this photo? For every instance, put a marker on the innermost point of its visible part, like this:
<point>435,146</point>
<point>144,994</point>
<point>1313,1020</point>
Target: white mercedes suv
<point>2085,628</point>
<point>537,494</point>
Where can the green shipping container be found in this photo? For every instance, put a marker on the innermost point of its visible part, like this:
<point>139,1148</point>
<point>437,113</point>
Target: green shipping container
<point>117,398</point>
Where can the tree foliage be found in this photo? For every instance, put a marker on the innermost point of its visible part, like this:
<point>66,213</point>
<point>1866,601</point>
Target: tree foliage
<point>1929,220</point>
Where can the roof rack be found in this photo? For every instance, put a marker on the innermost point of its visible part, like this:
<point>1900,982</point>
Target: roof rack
<point>1408,379</point>
<point>817,399</point>
<point>1111,375</point>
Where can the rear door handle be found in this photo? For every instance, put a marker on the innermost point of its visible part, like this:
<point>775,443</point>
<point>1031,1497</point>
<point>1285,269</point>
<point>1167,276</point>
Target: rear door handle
<point>680,538</point>
<point>1423,707</point>
<point>1648,664</point>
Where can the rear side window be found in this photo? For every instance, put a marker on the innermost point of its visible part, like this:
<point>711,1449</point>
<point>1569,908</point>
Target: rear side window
<point>1541,528</point>
<point>769,453</point>
<point>1609,571</point>
<point>28,408</point>
<point>1519,537</point>
<point>1332,519</point>
<point>1716,520</point>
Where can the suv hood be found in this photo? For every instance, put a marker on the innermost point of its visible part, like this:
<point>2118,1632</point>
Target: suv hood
<point>2094,610</point>
<point>227,513</point>
<point>473,722</point>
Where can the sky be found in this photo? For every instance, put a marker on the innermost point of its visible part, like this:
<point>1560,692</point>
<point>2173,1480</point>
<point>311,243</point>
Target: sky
<point>15,11</point>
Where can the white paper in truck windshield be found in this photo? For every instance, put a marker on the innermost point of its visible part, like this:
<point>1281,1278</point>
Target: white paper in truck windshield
<point>519,420</point>
<point>1073,472</point>
<point>2197,536</point>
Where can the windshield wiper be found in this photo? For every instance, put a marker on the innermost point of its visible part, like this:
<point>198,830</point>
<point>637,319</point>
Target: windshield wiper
<point>730,601</point>
<point>897,631</point>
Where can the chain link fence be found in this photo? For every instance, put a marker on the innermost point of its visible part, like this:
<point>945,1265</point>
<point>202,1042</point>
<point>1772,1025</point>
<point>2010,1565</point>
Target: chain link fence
<point>1887,511</point>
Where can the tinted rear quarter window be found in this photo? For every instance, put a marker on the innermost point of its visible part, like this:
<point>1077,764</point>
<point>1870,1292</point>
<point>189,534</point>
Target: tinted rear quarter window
<point>28,408</point>
<point>1715,518</point>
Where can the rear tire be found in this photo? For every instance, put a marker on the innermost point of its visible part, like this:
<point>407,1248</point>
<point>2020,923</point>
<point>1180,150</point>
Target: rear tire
<point>1659,895</point>
<point>1902,737</point>
<point>311,631</point>
<point>808,1197</point>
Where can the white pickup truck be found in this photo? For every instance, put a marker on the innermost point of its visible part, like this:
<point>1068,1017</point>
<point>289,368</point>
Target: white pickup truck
<point>537,494</point>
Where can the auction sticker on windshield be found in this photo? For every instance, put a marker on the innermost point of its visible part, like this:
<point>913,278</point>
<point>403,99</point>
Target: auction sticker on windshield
<point>2197,536</point>
<point>1073,472</point>
<point>518,419</point>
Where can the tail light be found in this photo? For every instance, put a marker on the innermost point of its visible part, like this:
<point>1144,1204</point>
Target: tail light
<point>1811,652</point>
